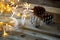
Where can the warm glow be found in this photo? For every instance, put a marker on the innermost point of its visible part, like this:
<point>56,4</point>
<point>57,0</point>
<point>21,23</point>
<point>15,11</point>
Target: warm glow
<point>1,23</point>
<point>19,15</point>
<point>10,27</point>
<point>26,15</point>
<point>12,1</point>
<point>27,5</point>
<point>3,0</point>
<point>18,0</point>
<point>5,34</point>
<point>8,8</point>
<point>8,21</point>
<point>5,7</point>
<point>11,22</point>
<point>2,5</point>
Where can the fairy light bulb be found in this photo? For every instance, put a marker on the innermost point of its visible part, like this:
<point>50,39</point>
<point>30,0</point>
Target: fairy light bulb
<point>5,34</point>
<point>27,5</point>
<point>9,9</point>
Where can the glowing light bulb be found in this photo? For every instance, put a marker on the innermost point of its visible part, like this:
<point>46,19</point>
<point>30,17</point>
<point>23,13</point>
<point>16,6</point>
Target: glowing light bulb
<point>24,16</point>
<point>18,0</point>
<point>12,1</point>
<point>5,34</point>
<point>19,15</point>
<point>27,5</point>
<point>8,9</point>
<point>2,5</point>
<point>1,23</point>
<point>1,11</point>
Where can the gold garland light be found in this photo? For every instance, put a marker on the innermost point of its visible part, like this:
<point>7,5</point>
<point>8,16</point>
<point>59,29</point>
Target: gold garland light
<point>5,7</point>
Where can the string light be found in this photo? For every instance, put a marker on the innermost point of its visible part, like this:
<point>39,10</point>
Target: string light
<point>7,7</point>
